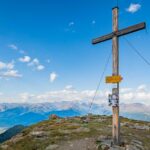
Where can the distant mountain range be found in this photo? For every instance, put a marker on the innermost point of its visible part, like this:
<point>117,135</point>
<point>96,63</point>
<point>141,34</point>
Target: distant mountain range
<point>27,114</point>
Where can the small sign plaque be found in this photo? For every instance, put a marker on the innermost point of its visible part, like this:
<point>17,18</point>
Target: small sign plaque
<point>113,79</point>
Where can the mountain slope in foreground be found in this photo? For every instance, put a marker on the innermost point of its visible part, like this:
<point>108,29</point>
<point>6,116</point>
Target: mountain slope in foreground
<point>11,132</point>
<point>77,134</point>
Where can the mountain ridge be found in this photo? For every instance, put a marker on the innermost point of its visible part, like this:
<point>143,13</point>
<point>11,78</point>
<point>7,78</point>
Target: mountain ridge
<point>27,114</point>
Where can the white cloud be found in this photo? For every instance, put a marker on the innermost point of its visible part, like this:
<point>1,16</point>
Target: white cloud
<point>26,96</point>
<point>13,46</point>
<point>67,95</point>
<point>35,63</point>
<point>6,65</point>
<point>142,87</point>
<point>25,59</point>
<point>11,73</point>
<point>70,94</point>
<point>71,23</point>
<point>7,70</point>
<point>53,76</point>
<point>3,65</point>
<point>127,96</point>
<point>40,67</point>
<point>69,87</point>
<point>125,90</point>
<point>10,65</point>
<point>133,8</point>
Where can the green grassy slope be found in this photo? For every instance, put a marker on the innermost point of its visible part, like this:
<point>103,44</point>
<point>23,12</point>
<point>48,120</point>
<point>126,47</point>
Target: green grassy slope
<point>63,134</point>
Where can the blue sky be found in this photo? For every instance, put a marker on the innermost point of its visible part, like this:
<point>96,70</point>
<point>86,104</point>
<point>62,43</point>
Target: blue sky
<point>45,46</point>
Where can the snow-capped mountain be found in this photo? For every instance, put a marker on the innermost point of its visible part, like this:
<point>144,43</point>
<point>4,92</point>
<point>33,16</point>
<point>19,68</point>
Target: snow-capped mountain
<point>26,114</point>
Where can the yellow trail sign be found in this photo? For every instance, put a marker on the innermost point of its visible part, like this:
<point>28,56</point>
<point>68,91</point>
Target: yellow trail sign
<point>113,79</point>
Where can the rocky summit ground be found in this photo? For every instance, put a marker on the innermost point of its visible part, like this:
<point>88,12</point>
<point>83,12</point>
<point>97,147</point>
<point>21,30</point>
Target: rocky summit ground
<point>81,133</point>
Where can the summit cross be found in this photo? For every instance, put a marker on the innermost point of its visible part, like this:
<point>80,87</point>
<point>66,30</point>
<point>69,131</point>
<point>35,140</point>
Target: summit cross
<point>115,66</point>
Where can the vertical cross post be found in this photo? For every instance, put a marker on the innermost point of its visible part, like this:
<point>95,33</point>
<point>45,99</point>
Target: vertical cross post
<point>115,90</point>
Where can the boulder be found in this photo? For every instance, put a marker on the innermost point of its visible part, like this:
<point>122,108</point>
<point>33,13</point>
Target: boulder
<point>53,117</point>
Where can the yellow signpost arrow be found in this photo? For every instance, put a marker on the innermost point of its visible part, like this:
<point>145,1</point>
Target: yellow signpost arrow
<point>113,79</point>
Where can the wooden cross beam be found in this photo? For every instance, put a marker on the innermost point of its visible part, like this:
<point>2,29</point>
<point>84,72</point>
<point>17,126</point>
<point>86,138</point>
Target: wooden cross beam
<point>119,33</point>
<point>115,52</point>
